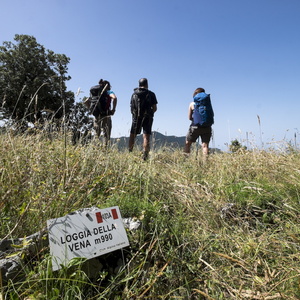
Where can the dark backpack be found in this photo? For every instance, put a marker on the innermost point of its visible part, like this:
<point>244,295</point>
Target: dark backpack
<point>141,104</point>
<point>99,100</point>
<point>203,115</point>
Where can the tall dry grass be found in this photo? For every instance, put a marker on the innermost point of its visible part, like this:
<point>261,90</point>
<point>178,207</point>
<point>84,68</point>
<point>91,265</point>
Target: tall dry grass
<point>225,228</point>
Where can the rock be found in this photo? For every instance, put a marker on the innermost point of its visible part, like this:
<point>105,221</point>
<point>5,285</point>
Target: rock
<point>11,269</point>
<point>131,223</point>
<point>12,250</point>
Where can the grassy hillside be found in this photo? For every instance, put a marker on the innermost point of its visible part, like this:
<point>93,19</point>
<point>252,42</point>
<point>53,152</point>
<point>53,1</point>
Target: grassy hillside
<point>224,229</point>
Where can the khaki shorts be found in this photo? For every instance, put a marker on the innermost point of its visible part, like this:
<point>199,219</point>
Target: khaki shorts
<point>195,131</point>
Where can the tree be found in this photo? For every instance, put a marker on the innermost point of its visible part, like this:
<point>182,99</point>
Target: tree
<point>32,79</point>
<point>236,146</point>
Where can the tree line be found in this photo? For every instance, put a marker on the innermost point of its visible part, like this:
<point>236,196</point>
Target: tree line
<point>33,83</point>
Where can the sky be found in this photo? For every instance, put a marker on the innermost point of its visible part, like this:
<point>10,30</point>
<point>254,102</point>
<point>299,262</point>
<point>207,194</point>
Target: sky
<point>245,54</point>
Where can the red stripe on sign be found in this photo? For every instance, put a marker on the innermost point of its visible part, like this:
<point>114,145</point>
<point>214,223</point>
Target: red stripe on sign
<point>99,217</point>
<point>114,213</point>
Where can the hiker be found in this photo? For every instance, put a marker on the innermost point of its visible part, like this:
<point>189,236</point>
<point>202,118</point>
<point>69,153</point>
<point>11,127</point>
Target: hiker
<point>143,105</point>
<point>100,101</point>
<point>202,116</point>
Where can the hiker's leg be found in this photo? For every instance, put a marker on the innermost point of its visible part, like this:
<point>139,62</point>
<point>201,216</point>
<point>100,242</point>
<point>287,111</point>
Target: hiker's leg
<point>107,125</point>
<point>191,137</point>
<point>206,134</point>
<point>187,147</point>
<point>97,126</point>
<point>131,141</point>
<point>205,149</point>
<point>134,130</point>
<point>147,130</point>
<point>146,143</point>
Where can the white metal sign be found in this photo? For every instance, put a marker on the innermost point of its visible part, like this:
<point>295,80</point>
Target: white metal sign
<point>87,233</point>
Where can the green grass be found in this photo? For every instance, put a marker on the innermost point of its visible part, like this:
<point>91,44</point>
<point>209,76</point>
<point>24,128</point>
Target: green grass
<point>189,245</point>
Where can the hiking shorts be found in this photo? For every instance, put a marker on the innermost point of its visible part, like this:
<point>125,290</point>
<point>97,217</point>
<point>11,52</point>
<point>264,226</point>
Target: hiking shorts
<point>139,123</point>
<point>195,131</point>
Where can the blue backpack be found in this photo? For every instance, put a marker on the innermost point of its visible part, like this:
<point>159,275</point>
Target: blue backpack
<point>203,114</point>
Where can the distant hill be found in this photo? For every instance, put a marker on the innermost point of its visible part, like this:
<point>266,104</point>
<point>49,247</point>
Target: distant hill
<point>158,140</point>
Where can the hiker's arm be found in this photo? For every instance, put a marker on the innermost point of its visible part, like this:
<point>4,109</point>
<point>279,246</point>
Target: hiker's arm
<point>190,115</point>
<point>154,108</point>
<point>114,102</point>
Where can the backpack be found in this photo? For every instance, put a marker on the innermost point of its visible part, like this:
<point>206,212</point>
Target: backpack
<point>203,115</point>
<point>99,101</point>
<point>141,104</point>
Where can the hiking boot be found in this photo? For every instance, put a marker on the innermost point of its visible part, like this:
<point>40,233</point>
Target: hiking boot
<point>145,156</point>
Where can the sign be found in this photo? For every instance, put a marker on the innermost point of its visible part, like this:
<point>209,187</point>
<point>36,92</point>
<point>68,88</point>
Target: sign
<point>87,233</point>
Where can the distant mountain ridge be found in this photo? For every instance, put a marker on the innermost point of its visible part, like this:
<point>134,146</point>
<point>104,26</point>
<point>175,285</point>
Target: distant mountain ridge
<point>158,140</point>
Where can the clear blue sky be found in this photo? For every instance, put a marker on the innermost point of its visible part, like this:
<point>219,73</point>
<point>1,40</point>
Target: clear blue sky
<point>246,54</point>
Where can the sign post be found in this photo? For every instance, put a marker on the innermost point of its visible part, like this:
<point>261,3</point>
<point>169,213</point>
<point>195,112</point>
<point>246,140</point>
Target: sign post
<point>88,233</point>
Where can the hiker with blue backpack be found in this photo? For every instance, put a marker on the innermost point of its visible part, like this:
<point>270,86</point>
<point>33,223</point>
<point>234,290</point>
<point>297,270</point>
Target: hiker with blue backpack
<point>202,116</point>
<point>102,104</point>
<point>143,105</point>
